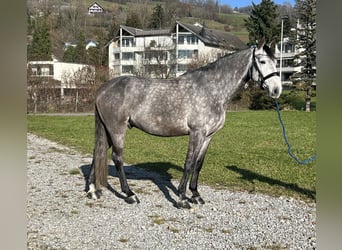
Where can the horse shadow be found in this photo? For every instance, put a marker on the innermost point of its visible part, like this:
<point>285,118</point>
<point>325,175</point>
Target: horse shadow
<point>251,176</point>
<point>142,171</point>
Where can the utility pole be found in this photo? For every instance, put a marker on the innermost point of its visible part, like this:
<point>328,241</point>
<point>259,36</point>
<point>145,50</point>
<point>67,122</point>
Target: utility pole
<point>281,46</point>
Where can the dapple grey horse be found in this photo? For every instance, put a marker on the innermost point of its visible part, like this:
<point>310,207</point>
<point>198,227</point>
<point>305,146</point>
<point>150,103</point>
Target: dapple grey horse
<point>193,104</point>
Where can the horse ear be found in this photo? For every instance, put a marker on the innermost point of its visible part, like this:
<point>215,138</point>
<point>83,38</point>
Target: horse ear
<point>261,42</point>
<point>270,44</point>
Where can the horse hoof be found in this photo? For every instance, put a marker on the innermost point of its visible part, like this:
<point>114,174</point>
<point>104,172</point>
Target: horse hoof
<point>197,200</point>
<point>183,204</point>
<point>94,195</point>
<point>132,199</point>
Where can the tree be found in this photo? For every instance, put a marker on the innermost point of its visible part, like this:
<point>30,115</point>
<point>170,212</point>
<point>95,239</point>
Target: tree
<point>98,55</point>
<point>75,18</point>
<point>140,11</point>
<point>80,49</point>
<point>69,54</point>
<point>113,27</point>
<point>160,60</point>
<point>262,23</point>
<point>133,20</point>
<point>40,47</point>
<point>286,10</point>
<point>157,18</point>
<point>77,54</point>
<point>306,45</point>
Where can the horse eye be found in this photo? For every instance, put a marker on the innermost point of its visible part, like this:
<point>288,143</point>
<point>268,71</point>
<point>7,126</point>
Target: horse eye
<point>262,62</point>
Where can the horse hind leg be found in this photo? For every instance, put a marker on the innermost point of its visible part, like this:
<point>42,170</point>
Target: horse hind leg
<point>93,193</point>
<point>117,157</point>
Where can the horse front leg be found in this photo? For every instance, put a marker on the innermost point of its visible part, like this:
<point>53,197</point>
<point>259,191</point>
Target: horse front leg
<point>182,202</point>
<point>196,141</point>
<point>196,197</point>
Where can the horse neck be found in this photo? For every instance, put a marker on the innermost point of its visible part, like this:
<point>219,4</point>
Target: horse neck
<point>226,76</point>
<point>234,72</point>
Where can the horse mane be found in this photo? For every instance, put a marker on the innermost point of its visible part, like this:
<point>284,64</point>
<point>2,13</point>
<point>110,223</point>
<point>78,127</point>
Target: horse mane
<point>223,60</point>
<point>211,65</point>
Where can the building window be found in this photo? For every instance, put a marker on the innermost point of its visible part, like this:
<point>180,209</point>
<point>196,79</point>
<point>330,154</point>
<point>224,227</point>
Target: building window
<point>42,70</point>
<point>45,71</point>
<point>191,39</point>
<point>288,48</point>
<point>156,54</point>
<point>195,55</point>
<point>117,56</point>
<point>156,69</point>
<point>127,69</point>
<point>187,39</point>
<point>127,56</point>
<point>34,70</point>
<point>128,42</point>
<point>286,62</point>
<point>181,39</point>
<point>186,54</point>
<point>182,67</point>
<point>51,70</point>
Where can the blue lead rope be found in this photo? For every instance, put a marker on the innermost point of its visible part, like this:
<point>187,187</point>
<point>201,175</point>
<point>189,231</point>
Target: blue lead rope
<point>305,162</point>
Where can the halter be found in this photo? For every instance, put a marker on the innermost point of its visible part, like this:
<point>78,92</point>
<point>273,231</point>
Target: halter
<point>262,78</point>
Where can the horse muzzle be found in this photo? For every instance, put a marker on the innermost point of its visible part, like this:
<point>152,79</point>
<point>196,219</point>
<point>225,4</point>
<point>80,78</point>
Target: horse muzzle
<point>272,83</point>
<point>275,92</point>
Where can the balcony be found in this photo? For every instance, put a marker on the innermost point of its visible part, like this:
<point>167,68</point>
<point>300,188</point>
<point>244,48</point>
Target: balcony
<point>289,54</point>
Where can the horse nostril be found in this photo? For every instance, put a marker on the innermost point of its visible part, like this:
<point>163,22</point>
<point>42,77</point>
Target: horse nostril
<point>275,91</point>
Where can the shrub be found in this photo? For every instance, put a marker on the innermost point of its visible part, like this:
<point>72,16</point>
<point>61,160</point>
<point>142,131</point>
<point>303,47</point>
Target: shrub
<point>260,101</point>
<point>293,100</point>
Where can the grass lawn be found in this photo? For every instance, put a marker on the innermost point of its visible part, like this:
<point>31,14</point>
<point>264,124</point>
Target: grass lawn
<point>249,153</point>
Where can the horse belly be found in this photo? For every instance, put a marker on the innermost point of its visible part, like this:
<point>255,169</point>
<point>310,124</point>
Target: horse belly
<point>160,125</point>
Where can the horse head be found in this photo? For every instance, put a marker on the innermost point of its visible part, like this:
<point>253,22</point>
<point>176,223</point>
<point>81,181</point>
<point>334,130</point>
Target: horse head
<point>264,70</point>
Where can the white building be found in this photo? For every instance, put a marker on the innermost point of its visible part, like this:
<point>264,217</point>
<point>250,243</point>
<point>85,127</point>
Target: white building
<point>68,74</point>
<point>95,8</point>
<point>167,52</point>
<point>288,54</point>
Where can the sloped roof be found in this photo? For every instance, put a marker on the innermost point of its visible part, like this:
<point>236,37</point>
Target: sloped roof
<point>140,32</point>
<point>215,38</point>
<point>133,31</point>
<point>211,37</point>
<point>95,4</point>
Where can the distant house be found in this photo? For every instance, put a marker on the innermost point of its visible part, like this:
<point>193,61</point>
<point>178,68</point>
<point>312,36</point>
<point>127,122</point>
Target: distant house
<point>62,73</point>
<point>288,54</point>
<point>94,8</point>
<point>289,59</point>
<point>69,44</point>
<point>167,52</point>
<point>89,43</point>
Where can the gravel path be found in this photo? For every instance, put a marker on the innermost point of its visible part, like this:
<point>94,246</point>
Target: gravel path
<point>61,217</point>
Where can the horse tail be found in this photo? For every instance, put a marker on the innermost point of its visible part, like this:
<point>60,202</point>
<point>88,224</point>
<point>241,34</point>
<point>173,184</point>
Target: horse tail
<point>100,162</point>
